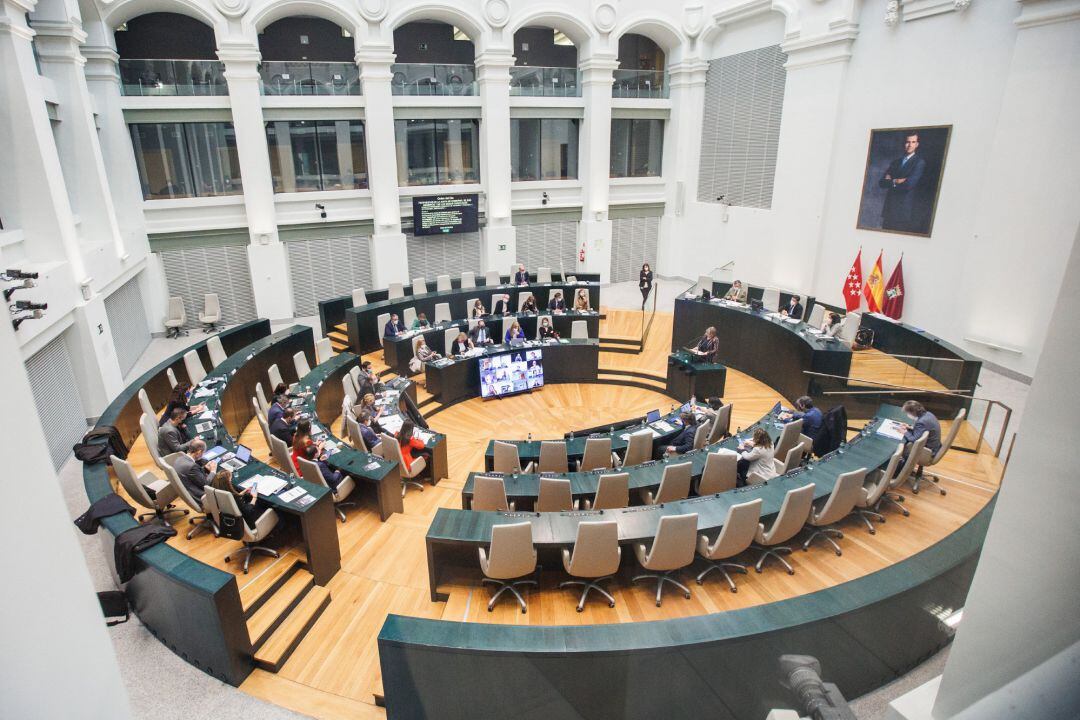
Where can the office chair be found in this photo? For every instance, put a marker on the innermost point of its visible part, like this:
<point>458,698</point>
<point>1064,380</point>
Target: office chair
<point>359,297</point>
<point>442,313</point>
<point>216,350</point>
<point>443,284</point>
<point>510,556</point>
<point>596,555</point>
<point>555,496</point>
<point>147,490</point>
<point>171,377</point>
<point>638,448</point>
<point>841,503</point>
<point>704,282</point>
<point>701,435</point>
<point>149,430</point>
<point>612,492</point>
<point>419,286</point>
<point>674,484</point>
<point>280,452</point>
<point>553,457</point>
<point>380,323</point>
<point>273,374</point>
<point>211,314</point>
<point>300,364</point>
<point>392,451</point>
<point>789,521</point>
<point>928,460</point>
<point>721,425</point>
<point>736,536</point>
<point>193,364</point>
<point>793,458</point>
<point>817,316</point>
<point>849,326</point>
<point>324,350</point>
<point>579,330</point>
<point>408,315</point>
<point>311,472</point>
<point>489,493</point>
<point>205,520</point>
<point>597,455</point>
<point>770,299</point>
<point>789,438</point>
<point>263,424</point>
<point>176,318</point>
<point>448,340</point>
<point>507,460</point>
<point>468,280</point>
<point>672,549</point>
<point>144,404</point>
<point>543,274</point>
<point>893,496</point>
<point>395,290</point>
<point>720,473</point>
<point>264,524</point>
<point>491,278</point>
<point>874,490</point>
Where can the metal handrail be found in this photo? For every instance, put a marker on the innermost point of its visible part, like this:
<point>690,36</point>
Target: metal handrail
<point>647,319</point>
<point>953,392</point>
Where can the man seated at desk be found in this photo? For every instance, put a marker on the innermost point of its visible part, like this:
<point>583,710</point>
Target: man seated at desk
<point>557,303</point>
<point>393,327</point>
<point>502,306</point>
<point>480,335</point>
<point>922,420</point>
<point>794,309</point>
<point>707,347</point>
<point>521,277</point>
<point>331,476</point>
<point>284,427</point>
<point>420,322</point>
<point>736,293</point>
<point>193,475</point>
<point>371,439</point>
<point>810,415</point>
<point>172,437</point>
<point>684,441</point>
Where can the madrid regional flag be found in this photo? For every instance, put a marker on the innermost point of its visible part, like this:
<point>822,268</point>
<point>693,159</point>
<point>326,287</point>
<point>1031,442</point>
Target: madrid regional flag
<point>853,284</point>
<point>875,288</point>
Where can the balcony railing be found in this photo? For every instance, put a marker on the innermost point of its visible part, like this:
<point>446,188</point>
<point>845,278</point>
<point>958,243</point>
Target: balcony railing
<point>545,81</point>
<point>639,84</point>
<point>172,77</point>
<point>300,77</point>
<point>424,79</point>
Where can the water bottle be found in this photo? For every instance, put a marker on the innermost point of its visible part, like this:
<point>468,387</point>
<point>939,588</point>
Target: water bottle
<point>530,437</point>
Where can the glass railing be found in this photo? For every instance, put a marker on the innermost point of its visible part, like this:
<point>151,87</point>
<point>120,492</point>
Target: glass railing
<point>639,84</point>
<point>424,79</point>
<point>544,81</point>
<point>300,77</point>
<point>172,77</point>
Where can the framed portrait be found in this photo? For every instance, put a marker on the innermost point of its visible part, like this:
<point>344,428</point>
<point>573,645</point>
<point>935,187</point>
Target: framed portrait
<point>903,174</point>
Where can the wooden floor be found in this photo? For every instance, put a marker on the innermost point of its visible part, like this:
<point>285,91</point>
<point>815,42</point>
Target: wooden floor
<point>334,673</point>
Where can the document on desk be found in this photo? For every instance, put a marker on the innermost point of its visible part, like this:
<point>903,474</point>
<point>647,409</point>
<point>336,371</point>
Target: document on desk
<point>892,429</point>
<point>264,484</point>
<point>202,392</point>
<point>292,494</point>
<point>664,426</point>
<point>207,415</point>
<point>391,423</point>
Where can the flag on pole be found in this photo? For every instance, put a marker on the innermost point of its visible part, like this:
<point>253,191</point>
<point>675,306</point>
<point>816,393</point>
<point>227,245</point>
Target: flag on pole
<point>853,284</point>
<point>873,291</point>
<point>894,292</point>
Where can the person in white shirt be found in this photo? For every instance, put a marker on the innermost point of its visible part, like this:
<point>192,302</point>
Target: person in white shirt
<point>831,324</point>
<point>756,456</point>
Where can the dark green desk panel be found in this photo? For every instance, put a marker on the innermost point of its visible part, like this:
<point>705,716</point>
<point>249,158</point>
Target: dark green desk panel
<point>687,377</point>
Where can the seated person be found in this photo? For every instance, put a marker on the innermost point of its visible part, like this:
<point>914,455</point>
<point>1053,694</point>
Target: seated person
<point>478,310</point>
<point>502,306</point>
<point>284,427</point>
<point>794,308</point>
<point>424,353</point>
<point>283,390</point>
<point>708,346</point>
<point>411,447</point>
<point>830,326</point>
<point>246,500</point>
<point>756,456</point>
<point>521,277</point>
<point>529,305</point>
<point>557,303</point>
<point>368,381</point>
<point>480,335</point>
<point>461,345</point>
<point>922,420</point>
<point>581,301</point>
<point>684,441</point>
<point>277,407</point>
<point>179,398</point>
<point>393,327</point>
<point>172,436</point>
<point>514,332</point>
<point>193,474</point>
<point>302,440</point>
<point>736,292</point>
<point>547,332</point>
<point>811,417</point>
<point>420,322</point>
<point>331,476</point>
<point>367,405</point>
<point>371,438</point>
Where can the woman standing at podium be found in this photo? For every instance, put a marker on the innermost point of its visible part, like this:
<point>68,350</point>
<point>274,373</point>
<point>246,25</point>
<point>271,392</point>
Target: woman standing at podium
<point>645,283</point>
<point>708,346</point>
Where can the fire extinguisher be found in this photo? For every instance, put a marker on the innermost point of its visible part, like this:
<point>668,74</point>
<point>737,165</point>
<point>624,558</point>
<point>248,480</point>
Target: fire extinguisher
<point>581,253</point>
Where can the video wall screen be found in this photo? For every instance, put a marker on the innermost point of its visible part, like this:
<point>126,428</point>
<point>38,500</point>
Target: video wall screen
<point>512,372</point>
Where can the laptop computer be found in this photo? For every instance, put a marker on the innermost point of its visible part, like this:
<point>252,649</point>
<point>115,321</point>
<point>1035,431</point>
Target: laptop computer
<point>652,416</point>
<point>239,459</point>
<point>776,409</point>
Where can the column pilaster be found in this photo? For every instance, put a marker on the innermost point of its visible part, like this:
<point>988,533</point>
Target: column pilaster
<point>594,233</point>
<point>499,237</point>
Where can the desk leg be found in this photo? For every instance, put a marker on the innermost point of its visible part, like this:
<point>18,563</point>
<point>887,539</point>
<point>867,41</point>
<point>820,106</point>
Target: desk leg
<point>390,500</point>
<point>433,575</point>
<point>319,525</point>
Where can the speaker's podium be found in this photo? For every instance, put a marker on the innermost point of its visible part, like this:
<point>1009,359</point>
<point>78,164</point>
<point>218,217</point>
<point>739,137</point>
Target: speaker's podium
<point>688,375</point>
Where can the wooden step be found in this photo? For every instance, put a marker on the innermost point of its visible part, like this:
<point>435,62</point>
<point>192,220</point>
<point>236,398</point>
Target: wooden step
<point>619,339</point>
<point>277,649</point>
<point>261,588</point>
<point>277,607</point>
<point>342,328</point>
<point>630,381</point>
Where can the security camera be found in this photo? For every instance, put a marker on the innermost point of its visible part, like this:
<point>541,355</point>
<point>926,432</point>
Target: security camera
<point>322,210</point>
<point>30,305</point>
<point>544,198</point>
<point>11,290</point>
<point>19,275</point>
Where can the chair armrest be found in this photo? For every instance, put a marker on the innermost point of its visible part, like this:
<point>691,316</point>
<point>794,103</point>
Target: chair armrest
<point>529,468</point>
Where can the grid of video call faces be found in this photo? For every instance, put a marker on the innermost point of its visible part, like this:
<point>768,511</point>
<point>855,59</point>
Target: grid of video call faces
<point>511,373</point>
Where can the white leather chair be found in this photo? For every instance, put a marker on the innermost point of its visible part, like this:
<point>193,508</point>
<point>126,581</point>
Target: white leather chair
<point>789,438</point>
<point>736,536</point>
<point>301,365</point>
<point>310,472</point>
<point>638,448</point>
<point>794,511</point>
<point>443,284</point>
<point>595,556</point>
<point>144,404</point>
<point>553,457</point>
<point>841,502</point>
<point>216,350</point>
<point>543,274</point>
<point>849,326</point>
<point>148,490</point>
<point>866,506</point>
<point>395,290</point>
<point>612,492</point>
<point>893,496</point>
<point>149,427</point>
<point>408,315</point>
<point>770,299</point>
<point>720,473</point>
<point>489,493</point>
<point>273,374</point>
<point>701,434</point>
<point>419,286</point>
<point>205,520</point>
<point>468,280</point>
<point>448,340</point>
<point>597,455</point>
<point>555,496</point>
<point>380,322</point>
<point>674,484</point>
<point>442,313</point>
<point>510,556</point>
<point>392,451</point>
<point>264,524</point>
<point>507,460</point>
<point>491,278</point>
<point>359,297</point>
<point>672,549</point>
<point>262,402</point>
<point>211,314</point>
<point>938,456</point>
<point>171,377</point>
<point>176,318</point>
<point>579,330</point>
<point>704,282</point>
<point>193,364</point>
<point>324,350</point>
<point>263,425</point>
<point>817,316</point>
<point>280,452</point>
<point>721,424</point>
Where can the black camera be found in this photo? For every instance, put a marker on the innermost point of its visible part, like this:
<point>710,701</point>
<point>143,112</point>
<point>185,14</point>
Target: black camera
<point>20,275</point>
<point>30,305</point>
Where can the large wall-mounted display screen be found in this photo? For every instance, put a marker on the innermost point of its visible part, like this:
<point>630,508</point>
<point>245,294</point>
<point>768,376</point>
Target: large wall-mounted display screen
<point>445,214</point>
<point>511,372</point>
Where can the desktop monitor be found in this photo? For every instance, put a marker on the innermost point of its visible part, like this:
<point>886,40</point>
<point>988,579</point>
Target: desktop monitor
<point>512,372</point>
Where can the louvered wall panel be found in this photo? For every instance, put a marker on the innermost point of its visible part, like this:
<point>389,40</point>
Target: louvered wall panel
<point>192,272</point>
<point>633,242</point>
<point>744,101</point>
<point>326,268</point>
<point>127,323</point>
<point>52,380</point>
<point>552,245</point>
<point>434,255</point>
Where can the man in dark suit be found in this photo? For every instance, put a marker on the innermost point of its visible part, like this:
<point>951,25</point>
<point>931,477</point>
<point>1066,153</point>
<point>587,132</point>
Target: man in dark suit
<point>901,181</point>
<point>794,308</point>
<point>330,475</point>
<point>193,475</point>
<point>684,441</point>
<point>368,380</point>
<point>393,327</point>
<point>480,335</point>
<point>277,407</point>
<point>557,303</point>
<point>171,437</point>
<point>521,277</point>
<point>922,420</point>
<point>502,305</point>
<point>284,427</point>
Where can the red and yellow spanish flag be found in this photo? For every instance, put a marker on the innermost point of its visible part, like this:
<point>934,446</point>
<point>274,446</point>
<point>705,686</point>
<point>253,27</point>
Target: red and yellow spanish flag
<point>874,290</point>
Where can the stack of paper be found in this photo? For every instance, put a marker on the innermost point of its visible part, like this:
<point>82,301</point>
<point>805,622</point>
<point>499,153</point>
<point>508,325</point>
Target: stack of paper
<point>892,429</point>
<point>264,484</point>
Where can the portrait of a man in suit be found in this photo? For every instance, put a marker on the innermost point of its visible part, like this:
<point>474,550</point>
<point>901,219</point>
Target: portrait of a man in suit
<point>902,178</point>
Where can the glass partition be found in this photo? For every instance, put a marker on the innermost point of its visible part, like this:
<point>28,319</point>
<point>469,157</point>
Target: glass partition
<point>639,84</point>
<point>438,152</point>
<point>172,77</point>
<point>637,147</point>
<point>543,148</point>
<point>317,155</point>
<point>300,77</point>
<point>178,160</point>
<point>545,81</point>
<point>432,79</point>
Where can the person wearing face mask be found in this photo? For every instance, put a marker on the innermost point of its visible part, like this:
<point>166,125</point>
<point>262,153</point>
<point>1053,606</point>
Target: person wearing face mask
<point>736,292</point>
<point>922,420</point>
<point>180,397</point>
<point>794,309</point>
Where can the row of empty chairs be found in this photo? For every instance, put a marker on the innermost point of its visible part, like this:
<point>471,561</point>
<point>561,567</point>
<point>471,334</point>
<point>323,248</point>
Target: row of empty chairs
<point>443,283</point>
<point>176,318</point>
